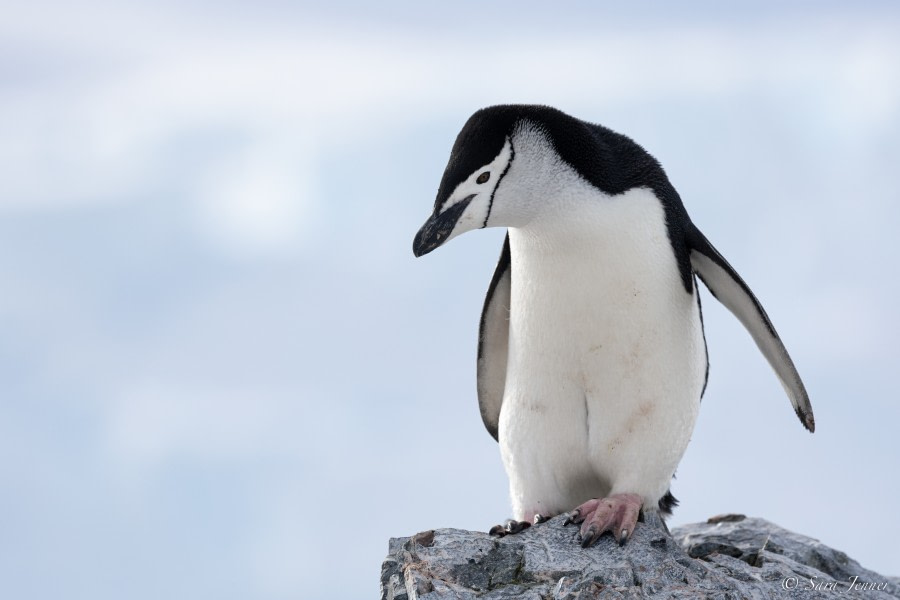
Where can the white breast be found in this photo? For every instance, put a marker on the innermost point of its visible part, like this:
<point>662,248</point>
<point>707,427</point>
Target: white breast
<point>606,355</point>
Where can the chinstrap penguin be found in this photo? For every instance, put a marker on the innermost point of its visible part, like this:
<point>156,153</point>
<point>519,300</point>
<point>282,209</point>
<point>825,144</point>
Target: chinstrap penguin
<point>591,353</point>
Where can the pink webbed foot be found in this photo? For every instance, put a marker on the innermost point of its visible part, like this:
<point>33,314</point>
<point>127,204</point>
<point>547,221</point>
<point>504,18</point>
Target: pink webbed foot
<point>617,514</point>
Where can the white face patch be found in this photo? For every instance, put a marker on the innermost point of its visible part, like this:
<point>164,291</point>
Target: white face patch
<point>480,186</point>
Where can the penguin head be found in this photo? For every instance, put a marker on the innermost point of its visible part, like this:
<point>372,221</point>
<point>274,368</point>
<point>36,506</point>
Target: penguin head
<point>510,164</point>
<point>479,188</point>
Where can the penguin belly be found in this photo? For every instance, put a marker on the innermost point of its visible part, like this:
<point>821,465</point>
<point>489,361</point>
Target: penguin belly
<point>606,360</point>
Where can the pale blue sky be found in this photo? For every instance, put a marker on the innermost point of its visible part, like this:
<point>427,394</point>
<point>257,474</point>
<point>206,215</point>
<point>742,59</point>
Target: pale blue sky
<point>222,372</point>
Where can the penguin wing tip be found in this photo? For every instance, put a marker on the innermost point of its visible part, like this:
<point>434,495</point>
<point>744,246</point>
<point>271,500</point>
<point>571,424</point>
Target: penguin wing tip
<point>807,420</point>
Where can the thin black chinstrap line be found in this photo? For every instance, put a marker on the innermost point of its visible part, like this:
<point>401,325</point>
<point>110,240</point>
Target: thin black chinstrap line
<point>512,155</point>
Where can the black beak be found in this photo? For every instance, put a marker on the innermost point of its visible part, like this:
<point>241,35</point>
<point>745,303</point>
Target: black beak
<point>438,227</point>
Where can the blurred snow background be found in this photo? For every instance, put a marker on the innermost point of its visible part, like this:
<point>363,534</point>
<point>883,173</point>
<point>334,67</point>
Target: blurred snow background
<point>222,372</point>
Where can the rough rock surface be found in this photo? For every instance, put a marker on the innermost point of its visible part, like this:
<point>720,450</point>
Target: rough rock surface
<point>729,556</point>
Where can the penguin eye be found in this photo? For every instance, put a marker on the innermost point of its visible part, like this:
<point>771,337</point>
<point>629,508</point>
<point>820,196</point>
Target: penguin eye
<point>483,177</point>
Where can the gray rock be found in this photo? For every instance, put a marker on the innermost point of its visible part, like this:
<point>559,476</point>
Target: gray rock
<point>730,556</point>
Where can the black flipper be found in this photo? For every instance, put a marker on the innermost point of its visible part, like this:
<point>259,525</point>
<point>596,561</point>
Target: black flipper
<point>729,289</point>
<point>493,343</point>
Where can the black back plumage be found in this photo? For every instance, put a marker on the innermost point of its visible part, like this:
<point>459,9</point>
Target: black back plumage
<point>610,161</point>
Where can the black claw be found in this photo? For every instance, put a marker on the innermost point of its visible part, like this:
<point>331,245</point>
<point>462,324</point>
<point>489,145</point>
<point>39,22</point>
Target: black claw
<point>517,526</point>
<point>571,517</point>
<point>590,538</point>
<point>623,537</point>
<point>539,518</point>
<point>497,531</point>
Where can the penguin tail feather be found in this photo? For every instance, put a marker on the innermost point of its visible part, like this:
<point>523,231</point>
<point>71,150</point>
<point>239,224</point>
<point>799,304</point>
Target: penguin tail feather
<point>667,503</point>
